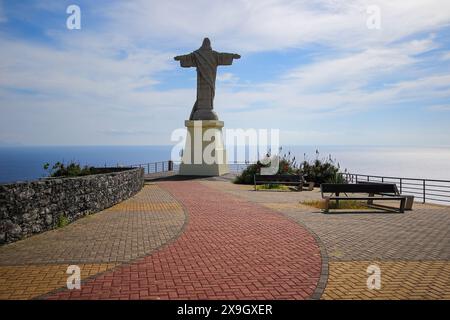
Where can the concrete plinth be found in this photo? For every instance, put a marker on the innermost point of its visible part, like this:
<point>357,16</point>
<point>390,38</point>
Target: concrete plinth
<point>204,153</point>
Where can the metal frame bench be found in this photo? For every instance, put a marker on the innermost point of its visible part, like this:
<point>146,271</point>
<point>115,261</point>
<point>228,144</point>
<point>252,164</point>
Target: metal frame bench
<point>409,198</point>
<point>376,191</point>
<point>283,179</point>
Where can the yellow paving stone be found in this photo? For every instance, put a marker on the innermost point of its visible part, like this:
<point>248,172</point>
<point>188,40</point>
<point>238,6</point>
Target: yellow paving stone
<point>150,206</point>
<point>280,205</point>
<point>96,243</point>
<point>27,282</point>
<point>122,233</point>
<point>399,280</point>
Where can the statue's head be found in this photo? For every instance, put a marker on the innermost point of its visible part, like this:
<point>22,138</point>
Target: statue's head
<point>206,45</point>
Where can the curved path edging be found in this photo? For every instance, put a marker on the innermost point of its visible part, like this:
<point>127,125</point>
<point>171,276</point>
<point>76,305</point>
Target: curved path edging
<point>322,283</point>
<point>323,280</point>
<point>230,249</point>
<point>161,247</point>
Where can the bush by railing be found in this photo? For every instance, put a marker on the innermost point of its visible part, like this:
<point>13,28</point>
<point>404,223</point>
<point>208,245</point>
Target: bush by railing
<point>72,169</point>
<point>317,171</point>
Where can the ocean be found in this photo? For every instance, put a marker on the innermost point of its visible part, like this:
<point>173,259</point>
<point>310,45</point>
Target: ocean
<point>26,163</point>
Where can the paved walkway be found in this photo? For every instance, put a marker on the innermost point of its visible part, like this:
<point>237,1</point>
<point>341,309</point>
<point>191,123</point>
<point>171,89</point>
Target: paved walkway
<point>96,243</point>
<point>230,249</point>
<point>211,239</point>
<point>412,249</point>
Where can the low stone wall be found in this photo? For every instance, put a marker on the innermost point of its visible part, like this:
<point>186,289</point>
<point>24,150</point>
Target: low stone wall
<point>28,208</point>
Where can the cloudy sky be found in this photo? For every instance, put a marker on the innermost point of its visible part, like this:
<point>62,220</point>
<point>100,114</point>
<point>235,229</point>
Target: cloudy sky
<point>312,69</point>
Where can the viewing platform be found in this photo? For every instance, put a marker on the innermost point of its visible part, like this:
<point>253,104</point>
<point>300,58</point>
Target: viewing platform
<point>207,238</point>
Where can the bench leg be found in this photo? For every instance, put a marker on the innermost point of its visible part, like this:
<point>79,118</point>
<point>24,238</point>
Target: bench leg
<point>402,205</point>
<point>327,205</point>
<point>370,201</point>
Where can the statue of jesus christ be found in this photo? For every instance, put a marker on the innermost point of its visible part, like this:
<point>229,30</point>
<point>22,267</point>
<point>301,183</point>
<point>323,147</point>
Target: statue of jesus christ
<point>206,61</point>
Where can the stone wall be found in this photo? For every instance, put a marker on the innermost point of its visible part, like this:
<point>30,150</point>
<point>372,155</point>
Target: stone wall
<point>28,208</point>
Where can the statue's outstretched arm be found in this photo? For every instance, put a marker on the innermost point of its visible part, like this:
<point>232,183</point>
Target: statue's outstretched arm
<point>186,60</point>
<point>178,58</point>
<point>225,58</point>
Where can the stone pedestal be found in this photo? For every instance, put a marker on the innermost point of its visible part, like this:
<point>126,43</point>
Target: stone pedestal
<point>204,153</point>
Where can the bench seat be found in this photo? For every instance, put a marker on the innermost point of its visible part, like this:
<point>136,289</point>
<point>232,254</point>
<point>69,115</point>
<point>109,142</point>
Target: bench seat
<point>383,192</point>
<point>282,179</point>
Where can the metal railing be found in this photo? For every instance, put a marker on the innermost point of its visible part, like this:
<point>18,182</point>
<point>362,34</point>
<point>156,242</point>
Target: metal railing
<point>164,166</point>
<point>156,167</point>
<point>426,190</point>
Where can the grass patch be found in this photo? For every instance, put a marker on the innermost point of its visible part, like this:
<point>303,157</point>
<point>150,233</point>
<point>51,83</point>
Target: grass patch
<point>343,204</point>
<point>272,187</point>
<point>62,221</point>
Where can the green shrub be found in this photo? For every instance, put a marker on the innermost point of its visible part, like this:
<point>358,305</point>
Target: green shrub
<point>337,178</point>
<point>72,169</point>
<point>62,221</point>
<point>246,176</point>
<point>317,171</point>
<point>286,166</point>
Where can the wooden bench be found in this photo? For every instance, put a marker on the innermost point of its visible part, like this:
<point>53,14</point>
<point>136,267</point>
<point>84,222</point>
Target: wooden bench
<point>409,198</point>
<point>283,179</point>
<point>375,191</point>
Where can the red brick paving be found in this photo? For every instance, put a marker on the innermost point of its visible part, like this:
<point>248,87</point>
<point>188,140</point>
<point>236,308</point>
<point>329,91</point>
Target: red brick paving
<point>230,249</point>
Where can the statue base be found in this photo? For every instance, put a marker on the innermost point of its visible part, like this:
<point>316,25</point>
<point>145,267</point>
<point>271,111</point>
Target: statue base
<point>204,153</point>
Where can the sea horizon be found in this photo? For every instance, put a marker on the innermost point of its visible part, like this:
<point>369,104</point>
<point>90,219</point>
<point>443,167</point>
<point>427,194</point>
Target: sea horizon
<point>24,163</point>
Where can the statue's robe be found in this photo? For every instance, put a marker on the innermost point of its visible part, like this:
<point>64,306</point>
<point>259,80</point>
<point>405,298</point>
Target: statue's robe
<point>206,62</point>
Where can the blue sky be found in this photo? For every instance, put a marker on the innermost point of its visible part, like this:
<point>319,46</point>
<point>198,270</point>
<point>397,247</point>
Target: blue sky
<point>309,68</point>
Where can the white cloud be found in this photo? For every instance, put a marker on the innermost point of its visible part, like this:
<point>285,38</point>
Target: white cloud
<point>351,70</point>
<point>227,77</point>
<point>75,70</point>
<point>101,85</point>
<point>68,95</point>
<point>270,25</point>
<point>344,84</point>
<point>441,107</point>
<point>106,95</point>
